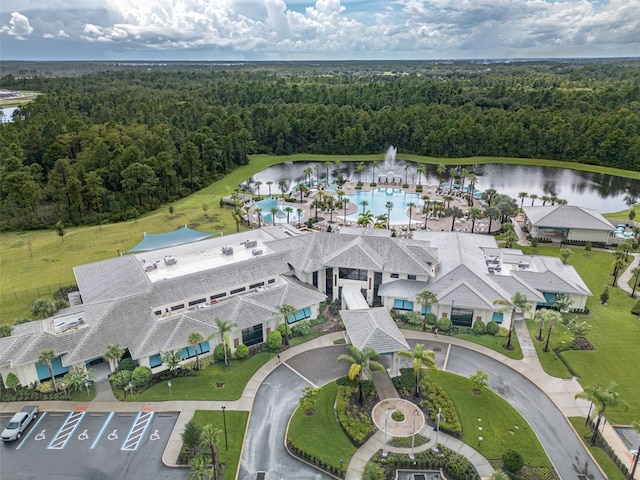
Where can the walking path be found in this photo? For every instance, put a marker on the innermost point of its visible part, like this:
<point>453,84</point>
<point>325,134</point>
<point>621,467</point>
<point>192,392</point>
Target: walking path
<point>625,277</point>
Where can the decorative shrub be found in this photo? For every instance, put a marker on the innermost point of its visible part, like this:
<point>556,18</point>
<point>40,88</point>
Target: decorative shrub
<point>126,364</point>
<point>397,416</point>
<point>444,324</point>
<point>12,381</point>
<point>479,327</point>
<point>121,379</point>
<point>321,318</point>
<point>492,328</point>
<point>274,341</point>
<point>431,319</point>
<point>412,318</point>
<point>301,329</point>
<point>438,398</point>
<point>512,461</point>
<point>502,332</point>
<point>242,351</point>
<point>45,387</point>
<point>218,352</point>
<point>356,423</point>
<point>373,471</point>
<point>141,377</point>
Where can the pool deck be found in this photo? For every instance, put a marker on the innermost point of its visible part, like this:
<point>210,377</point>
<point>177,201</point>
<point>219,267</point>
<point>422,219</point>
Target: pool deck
<point>417,217</point>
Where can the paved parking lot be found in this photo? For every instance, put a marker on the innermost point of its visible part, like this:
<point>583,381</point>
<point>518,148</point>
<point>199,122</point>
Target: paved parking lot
<point>91,445</point>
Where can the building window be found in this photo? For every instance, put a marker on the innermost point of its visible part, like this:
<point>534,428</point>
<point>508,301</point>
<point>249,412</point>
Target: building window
<point>353,274</point>
<point>238,290</point>
<point>395,275</point>
<point>399,304</point>
<point>155,361</point>
<point>190,352</point>
<point>299,315</point>
<point>252,335</point>
<point>196,302</point>
<point>497,317</point>
<point>43,369</point>
<point>425,310</point>
<point>411,277</point>
<point>271,280</point>
<point>218,295</point>
<point>177,307</point>
<point>462,317</point>
<point>157,313</point>
<point>256,285</point>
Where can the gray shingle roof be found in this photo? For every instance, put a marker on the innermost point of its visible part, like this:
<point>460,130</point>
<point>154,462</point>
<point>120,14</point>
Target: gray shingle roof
<point>567,216</point>
<point>111,279</point>
<point>373,328</point>
<point>404,289</point>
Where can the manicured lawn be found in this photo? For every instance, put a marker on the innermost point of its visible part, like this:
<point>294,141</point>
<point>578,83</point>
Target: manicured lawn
<point>503,428</point>
<point>236,426</point>
<point>614,334</point>
<point>305,338</point>
<point>320,434</point>
<point>204,386</point>
<point>559,336</point>
<point>611,471</point>
<point>495,343</point>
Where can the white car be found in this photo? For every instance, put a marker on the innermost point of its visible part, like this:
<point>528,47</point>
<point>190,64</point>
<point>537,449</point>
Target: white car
<point>19,423</point>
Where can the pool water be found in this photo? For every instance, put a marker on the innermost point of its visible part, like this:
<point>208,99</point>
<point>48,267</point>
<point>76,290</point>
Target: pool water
<point>281,217</point>
<point>378,199</point>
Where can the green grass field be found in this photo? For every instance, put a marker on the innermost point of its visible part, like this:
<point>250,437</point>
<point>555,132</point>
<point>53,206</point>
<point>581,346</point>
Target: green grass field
<point>495,343</point>
<point>614,333</point>
<point>503,428</point>
<point>236,426</point>
<point>205,386</point>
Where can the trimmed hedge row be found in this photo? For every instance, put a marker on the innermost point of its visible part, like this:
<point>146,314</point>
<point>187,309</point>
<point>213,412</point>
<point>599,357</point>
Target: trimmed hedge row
<point>355,422</point>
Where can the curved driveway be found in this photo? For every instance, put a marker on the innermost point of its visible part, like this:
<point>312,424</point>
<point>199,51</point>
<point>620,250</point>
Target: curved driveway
<point>278,396</point>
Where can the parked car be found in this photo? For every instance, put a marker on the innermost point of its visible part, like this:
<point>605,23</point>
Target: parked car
<point>19,423</point>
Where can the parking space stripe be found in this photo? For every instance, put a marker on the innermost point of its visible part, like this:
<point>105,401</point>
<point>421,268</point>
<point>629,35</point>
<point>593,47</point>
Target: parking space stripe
<point>66,430</point>
<point>104,426</point>
<point>33,429</point>
<point>137,430</point>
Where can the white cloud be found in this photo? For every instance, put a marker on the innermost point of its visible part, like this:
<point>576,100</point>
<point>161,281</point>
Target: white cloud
<point>19,26</point>
<point>338,28</point>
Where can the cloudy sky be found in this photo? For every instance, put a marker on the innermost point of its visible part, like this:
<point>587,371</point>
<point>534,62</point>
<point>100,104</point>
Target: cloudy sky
<point>320,30</point>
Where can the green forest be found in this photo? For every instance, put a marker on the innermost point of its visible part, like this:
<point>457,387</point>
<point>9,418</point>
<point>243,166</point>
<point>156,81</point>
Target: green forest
<point>107,144</point>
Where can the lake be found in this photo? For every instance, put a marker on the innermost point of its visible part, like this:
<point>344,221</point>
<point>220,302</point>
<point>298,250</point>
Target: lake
<point>600,192</point>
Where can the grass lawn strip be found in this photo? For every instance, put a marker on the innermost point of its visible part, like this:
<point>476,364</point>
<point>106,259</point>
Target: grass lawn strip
<point>320,435</point>
<point>560,336</point>
<point>236,426</point>
<point>495,343</point>
<point>204,386</point>
<point>503,428</point>
<point>611,471</point>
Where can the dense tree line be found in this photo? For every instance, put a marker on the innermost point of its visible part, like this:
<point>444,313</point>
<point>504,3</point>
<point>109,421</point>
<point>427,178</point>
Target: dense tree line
<point>111,144</point>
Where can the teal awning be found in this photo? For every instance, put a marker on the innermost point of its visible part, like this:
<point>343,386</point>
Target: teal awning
<point>156,241</point>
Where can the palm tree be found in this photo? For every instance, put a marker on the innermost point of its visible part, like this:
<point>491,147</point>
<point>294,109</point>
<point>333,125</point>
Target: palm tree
<point>492,213</point>
<point>362,363</point>
<point>601,399</point>
<point>533,198</point>
<point>499,475</point>
<point>388,206</point>
<point>113,354</point>
<point>286,310</point>
<point>410,205</point>
<point>307,172</point>
<point>258,211</point>
<point>194,340</point>
<point>421,358</point>
<point>518,302</point>
<point>299,212</point>
<point>420,170</point>
<point>345,203</point>
<point>447,200</point>
<point>237,216</point>
<point>269,183</point>
<point>464,173</point>
<point>425,299</point>
<point>209,438</point>
<point>360,167</point>
<point>454,212</point>
<point>618,265</point>
<point>364,204</point>
<point>545,199</point>
<point>283,186</point>
<point>635,274</point>
<point>289,211</point>
<point>374,164</point>
<point>258,183</point>
<point>46,357</point>
<point>382,221</point>
<point>407,167</point>
<point>522,196</point>
<point>365,219</point>
<point>224,327</point>
<point>475,213</point>
<point>274,211</point>
<point>327,165</point>
<point>199,467</point>
<point>545,316</point>
<point>488,195</point>
<point>441,170</point>
<point>473,178</point>
<point>425,209</point>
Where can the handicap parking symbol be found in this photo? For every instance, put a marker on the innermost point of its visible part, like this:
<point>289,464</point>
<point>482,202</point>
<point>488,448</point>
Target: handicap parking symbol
<point>83,436</point>
<point>113,435</point>
<point>40,436</point>
<point>155,436</point>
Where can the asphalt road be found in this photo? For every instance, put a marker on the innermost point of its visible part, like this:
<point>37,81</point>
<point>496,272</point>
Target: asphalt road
<point>565,449</point>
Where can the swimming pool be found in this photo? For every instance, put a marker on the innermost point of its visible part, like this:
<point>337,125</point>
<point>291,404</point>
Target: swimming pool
<point>378,199</point>
<point>281,217</point>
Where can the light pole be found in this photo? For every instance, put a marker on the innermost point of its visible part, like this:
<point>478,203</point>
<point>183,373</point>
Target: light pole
<point>64,387</point>
<point>224,422</point>
<point>169,385</point>
<point>341,462</point>
<point>86,384</point>
<point>413,434</point>
<point>385,452</point>
<point>131,387</point>
<point>438,417</point>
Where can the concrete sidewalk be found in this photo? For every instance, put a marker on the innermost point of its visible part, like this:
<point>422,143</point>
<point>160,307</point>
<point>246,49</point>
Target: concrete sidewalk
<point>625,277</point>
